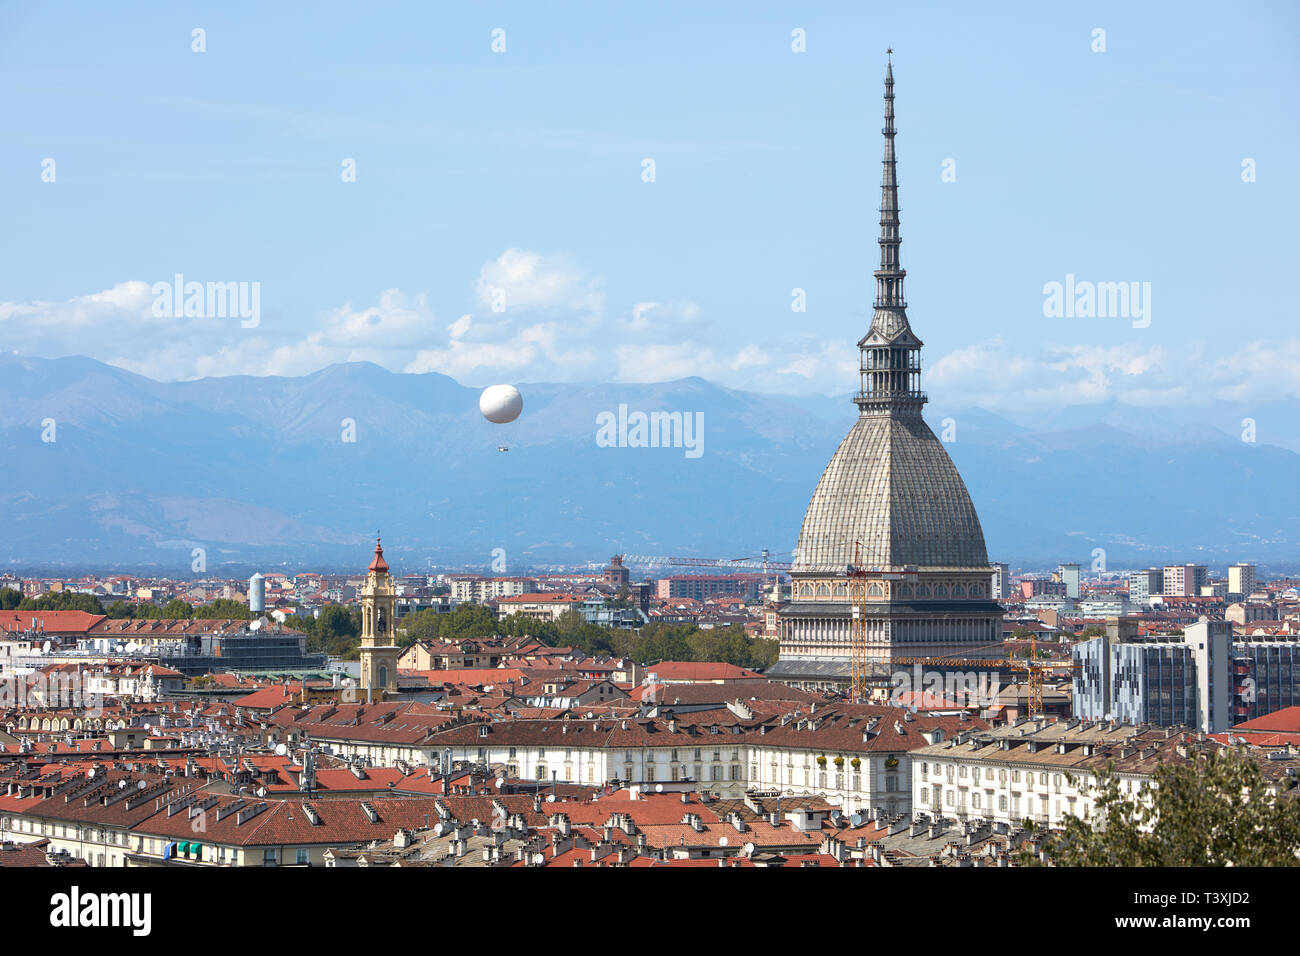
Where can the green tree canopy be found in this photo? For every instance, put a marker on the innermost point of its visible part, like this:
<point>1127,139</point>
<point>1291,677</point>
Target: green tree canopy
<point>336,631</point>
<point>176,610</point>
<point>1214,811</point>
<point>222,609</point>
<point>62,601</point>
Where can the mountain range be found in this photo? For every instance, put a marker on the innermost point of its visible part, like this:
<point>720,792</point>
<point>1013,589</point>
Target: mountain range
<point>259,472</point>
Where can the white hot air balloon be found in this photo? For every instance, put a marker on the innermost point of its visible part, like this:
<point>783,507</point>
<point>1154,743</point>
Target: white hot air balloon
<point>501,404</point>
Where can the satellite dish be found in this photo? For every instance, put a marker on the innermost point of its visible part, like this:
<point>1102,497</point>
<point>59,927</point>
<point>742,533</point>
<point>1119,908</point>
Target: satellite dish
<point>722,841</point>
<point>500,404</point>
<point>500,782</point>
<point>121,785</point>
<point>539,859</point>
<point>261,791</point>
<point>659,788</point>
<point>550,798</point>
<point>281,750</point>
<point>437,829</point>
<point>90,774</point>
<point>856,819</point>
<point>46,647</point>
<point>749,849</point>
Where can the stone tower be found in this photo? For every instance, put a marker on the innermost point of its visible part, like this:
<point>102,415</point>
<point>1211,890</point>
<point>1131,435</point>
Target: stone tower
<point>378,645</point>
<point>890,504</point>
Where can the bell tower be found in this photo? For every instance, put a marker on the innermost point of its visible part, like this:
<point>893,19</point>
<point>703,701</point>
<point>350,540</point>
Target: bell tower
<point>378,647</point>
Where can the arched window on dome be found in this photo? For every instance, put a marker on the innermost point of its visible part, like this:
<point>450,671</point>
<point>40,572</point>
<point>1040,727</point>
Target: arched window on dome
<point>922,590</point>
<point>823,591</point>
<point>875,591</point>
<point>957,591</point>
<point>841,589</point>
<point>905,590</point>
<point>805,590</point>
<point>940,591</point>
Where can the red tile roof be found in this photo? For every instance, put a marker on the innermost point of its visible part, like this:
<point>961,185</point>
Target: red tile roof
<point>54,622</point>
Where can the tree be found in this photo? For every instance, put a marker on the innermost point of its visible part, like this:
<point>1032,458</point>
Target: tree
<point>10,599</point>
<point>120,609</point>
<point>468,620</point>
<point>1213,811</point>
<point>519,625</point>
<point>63,601</point>
<point>222,609</point>
<point>336,632</point>
<point>177,610</point>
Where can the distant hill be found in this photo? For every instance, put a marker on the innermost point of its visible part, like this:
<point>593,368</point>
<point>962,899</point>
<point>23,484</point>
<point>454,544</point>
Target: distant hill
<point>256,472</point>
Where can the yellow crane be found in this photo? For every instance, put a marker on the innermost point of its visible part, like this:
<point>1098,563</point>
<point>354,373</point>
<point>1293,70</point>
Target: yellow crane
<point>1033,668</point>
<point>857,626</point>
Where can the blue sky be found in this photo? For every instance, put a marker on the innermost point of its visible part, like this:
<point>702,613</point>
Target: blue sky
<point>521,172</point>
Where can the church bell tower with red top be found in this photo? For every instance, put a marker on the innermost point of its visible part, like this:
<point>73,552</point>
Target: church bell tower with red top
<point>378,644</point>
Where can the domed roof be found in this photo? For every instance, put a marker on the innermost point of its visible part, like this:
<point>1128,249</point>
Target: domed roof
<point>377,563</point>
<point>892,487</point>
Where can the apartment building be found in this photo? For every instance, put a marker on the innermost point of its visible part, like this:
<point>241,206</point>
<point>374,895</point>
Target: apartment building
<point>1183,580</point>
<point>1241,581</point>
<point>1001,581</point>
<point>1042,771</point>
<point>1144,585</point>
<point>1069,575</point>
<point>474,589</point>
<point>703,586</point>
<point>1204,678</point>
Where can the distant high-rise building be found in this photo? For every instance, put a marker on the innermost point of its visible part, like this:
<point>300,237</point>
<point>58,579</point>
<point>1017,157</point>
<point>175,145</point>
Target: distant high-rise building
<point>1203,678</point>
<point>1144,585</point>
<point>1001,581</point>
<point>1241,580</point>
<point>1183,580</point>
<point>1069,574</point>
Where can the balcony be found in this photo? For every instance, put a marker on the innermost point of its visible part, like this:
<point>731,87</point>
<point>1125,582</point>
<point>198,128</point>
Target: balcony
<point>890,396</point>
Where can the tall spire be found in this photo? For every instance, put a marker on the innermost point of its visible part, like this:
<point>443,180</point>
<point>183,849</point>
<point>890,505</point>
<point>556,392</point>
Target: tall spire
<point>891,352</point>
<point>889,277</point>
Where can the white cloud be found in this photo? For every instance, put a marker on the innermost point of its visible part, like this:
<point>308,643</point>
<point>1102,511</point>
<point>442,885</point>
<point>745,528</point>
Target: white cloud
<point>554,327</point>
<point>518,279</point>
<point>996,376</point>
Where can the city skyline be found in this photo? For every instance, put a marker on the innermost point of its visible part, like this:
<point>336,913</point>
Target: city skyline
<point>498,436</point>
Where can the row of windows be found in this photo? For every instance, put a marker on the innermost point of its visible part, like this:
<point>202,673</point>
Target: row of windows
<point>964,772</point>
<point>840,590</point>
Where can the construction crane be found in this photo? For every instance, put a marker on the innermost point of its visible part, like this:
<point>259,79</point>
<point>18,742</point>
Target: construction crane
<point>857,576</point>
<point>1032,668</point>
<point>763,561</point>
